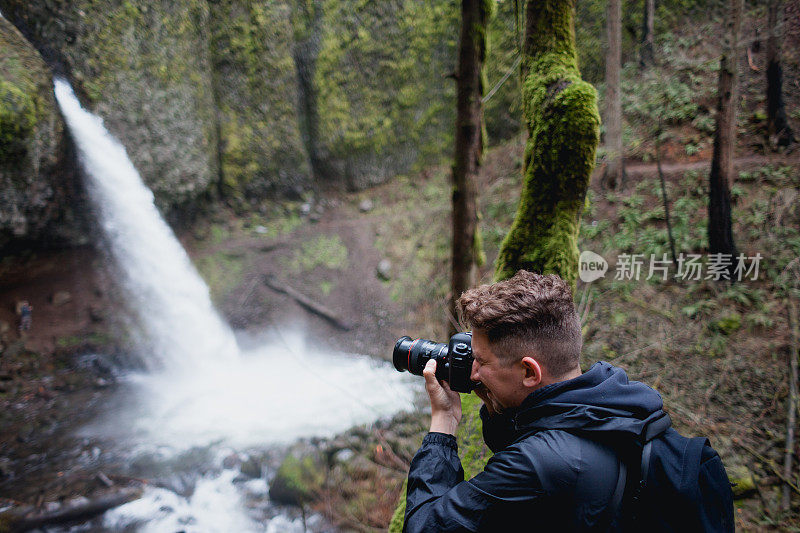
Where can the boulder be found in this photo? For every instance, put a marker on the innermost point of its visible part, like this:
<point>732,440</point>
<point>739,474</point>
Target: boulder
<point>366,205</point>
<point>384,270</point>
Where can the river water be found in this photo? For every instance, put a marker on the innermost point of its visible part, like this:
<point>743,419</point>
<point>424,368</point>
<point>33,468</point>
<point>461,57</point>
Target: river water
<point>207,395</point>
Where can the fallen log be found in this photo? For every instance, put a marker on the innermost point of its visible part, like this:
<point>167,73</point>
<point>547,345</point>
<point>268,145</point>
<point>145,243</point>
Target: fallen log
<point>308,303</point>
<point>26,518</point>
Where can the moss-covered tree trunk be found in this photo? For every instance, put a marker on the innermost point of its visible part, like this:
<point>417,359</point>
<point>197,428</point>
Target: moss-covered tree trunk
<point>720,234</point>
<point>475,15</point>
<point>560,111</point>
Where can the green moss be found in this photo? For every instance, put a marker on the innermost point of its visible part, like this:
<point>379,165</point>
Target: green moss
<point>327,251</point>
<point>23,102</point>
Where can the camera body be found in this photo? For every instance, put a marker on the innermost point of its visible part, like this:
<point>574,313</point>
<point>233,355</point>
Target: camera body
<point>453,360</point>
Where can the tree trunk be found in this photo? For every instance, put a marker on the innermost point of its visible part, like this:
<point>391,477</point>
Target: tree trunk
<point>720,235</point>
<point>468,146</point>
<point>647,44</point>
<point>560,111</point>
<point>613,102</point>
<point>778,131</point>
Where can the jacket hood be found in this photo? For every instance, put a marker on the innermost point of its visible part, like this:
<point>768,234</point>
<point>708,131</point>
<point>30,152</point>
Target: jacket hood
<point>601,400</point>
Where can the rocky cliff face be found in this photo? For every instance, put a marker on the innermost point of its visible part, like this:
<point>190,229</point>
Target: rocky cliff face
<point>244,98</point>
<point>145,68</point>
<point>255,89</point>
<point>38,189</point>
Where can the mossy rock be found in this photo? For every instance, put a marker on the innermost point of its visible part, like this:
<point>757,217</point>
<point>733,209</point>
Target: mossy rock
<point>743,481</point>
<point>36,173</point>
<point>297,480</point>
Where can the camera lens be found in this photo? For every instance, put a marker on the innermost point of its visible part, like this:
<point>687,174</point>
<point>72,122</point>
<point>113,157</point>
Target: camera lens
<point>413,354</point>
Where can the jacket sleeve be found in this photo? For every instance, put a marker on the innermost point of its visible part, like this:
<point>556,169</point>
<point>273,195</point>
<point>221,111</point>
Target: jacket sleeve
<point>438,498</point>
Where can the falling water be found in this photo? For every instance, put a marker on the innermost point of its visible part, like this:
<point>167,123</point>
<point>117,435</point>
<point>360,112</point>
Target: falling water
<point>206,392</point>
<point>171,301</point>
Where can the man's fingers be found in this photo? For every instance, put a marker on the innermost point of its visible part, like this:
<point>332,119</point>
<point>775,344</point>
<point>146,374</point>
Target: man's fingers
<point>429,372</point>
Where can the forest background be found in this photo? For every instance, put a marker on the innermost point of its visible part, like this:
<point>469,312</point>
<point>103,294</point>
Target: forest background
<point>309,144</point>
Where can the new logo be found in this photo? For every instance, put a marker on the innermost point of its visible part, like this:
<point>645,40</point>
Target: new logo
<point>591,266</point>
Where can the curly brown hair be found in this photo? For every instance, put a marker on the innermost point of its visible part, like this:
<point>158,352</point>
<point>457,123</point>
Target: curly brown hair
<point>528,314</point>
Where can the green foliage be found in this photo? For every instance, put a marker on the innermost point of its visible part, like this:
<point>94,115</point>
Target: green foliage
<point>327,251</point>
<point>727,324</point>
<point>222,272</point>
<point>642,229</point>
<point>398,517</point>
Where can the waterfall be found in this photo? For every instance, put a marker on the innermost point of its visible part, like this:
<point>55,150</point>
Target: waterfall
<point>181,330</point>
<point>209,396</point>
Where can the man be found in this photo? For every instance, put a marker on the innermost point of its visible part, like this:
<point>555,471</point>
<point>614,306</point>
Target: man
<point>555,431</point>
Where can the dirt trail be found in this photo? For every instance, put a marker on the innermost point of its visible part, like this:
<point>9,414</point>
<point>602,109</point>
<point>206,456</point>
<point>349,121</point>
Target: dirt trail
<point>641,170</point>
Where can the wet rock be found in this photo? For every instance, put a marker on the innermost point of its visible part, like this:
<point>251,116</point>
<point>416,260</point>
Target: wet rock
<point>384,270</point>
<point>297,480</point>
<point>180,484</point>
<point>231,461</point>
<point>60,298</point>
<point>251,468</point>
<point>343,455</point>
<point>366,206</point>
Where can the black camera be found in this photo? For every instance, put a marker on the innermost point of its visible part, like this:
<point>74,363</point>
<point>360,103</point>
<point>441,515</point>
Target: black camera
<point>453,360</point>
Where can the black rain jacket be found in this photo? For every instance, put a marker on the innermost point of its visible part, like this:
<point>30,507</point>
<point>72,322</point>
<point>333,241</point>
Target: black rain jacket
<point>555,465</point>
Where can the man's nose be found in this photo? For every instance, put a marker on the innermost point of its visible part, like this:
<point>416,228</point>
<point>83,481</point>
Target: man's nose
<point>474,373</point>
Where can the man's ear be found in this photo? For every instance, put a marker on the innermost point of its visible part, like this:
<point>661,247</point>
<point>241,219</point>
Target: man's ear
<point>533,372</point>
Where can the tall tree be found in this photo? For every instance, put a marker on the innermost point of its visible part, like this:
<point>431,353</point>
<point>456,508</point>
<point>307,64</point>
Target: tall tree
<point>469,144</point>
<point>647,43</point>
<point>612,115</point>
<point>561,114</point>
<point>720,235</point>
<point>778,129</point>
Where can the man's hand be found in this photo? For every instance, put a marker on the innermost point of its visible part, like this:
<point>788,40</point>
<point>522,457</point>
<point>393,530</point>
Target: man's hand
<point>491,404</point>
<point>445,404</point>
